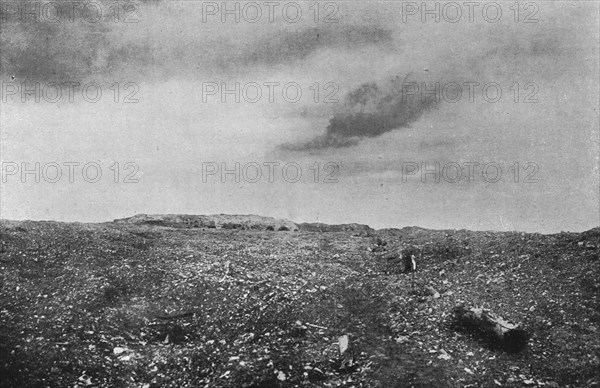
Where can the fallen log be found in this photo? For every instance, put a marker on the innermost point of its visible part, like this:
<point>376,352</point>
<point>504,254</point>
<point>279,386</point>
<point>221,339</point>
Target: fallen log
<point>175,316</point>
<point>491,327</point>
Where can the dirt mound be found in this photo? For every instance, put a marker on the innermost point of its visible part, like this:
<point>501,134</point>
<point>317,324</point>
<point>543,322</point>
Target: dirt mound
<point>215,221</point>
<point>320,227</point>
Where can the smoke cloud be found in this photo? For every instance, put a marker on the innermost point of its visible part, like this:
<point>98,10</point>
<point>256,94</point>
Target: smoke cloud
<point>370,111</point>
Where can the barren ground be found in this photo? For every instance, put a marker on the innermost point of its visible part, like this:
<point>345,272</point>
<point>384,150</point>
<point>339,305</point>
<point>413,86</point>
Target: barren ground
<point>137,305</point>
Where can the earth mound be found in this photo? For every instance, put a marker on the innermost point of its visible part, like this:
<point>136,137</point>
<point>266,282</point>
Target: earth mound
<point>215,221</point>
<point>320,227</point>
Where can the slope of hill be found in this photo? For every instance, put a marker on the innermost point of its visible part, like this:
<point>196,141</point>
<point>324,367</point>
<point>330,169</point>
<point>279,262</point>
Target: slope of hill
<point>320,227</point>
<point>218,221</point>
<point>138,304</point>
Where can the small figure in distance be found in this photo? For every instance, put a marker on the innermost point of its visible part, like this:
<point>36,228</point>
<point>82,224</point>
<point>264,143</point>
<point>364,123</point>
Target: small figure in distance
<point>410,264</point>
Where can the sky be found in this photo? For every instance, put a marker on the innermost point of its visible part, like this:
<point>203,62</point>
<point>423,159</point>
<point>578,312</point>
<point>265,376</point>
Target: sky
<point>380,113</point>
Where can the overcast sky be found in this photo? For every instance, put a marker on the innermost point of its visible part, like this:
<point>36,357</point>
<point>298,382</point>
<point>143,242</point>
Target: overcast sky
<point>360,122</point>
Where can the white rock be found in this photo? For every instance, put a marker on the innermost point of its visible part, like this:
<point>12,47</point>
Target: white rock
<point>343,342</point>
<point>281,376</point>
<point>443,355</point>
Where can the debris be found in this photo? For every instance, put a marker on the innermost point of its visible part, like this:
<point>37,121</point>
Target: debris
<point>401,339</point>
<point>509,336</point>
<point>316,326</point>
<point>299,329</point>
<point>176,316</point>
<point>444,355</point>
<point>85,379</point>
<point>108,290</point>
<point>227,269</point>
<point>343,343</point>
<point>281,376</point>
<point>433,292</point>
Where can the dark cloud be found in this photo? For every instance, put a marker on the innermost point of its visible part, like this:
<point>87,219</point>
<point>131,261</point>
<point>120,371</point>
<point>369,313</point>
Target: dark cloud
<point>51,51</point>
<point>64,44</point>
<point>296,45</point>
<point>370,111</point>
<point>78,49</point>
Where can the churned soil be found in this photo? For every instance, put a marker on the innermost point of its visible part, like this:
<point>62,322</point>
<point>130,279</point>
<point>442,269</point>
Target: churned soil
<point>155,305</point>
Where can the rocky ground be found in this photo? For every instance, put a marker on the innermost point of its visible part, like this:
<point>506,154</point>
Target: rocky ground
<point>191,304</point>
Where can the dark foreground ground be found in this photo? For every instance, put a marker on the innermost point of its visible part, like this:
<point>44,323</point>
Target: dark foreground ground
<point>137,305</point>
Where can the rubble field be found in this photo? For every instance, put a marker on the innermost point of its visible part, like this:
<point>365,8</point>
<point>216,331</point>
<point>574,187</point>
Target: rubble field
<point>123,304</point>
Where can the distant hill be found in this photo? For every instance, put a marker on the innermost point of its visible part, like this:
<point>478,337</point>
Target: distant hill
<point>320,227</point>
<point>216,221</point>
<point>243,222</point>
